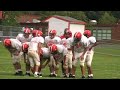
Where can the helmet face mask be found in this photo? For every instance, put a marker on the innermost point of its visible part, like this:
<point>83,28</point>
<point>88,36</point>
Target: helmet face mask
<point>76,39</point>
<point>8,46</point>
<point>68,34</point>
<point>77,36</point>
<point>55,52</point>
<point>26,35</point>
<point>27,32</point>
<point>51,35</point>
<point>86,35</point>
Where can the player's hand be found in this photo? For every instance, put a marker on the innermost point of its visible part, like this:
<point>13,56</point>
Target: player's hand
<point>16,53</point>
<point>64,65</point>
<point>73,58</point>
<point>90,49</point>
<point>82,57</point>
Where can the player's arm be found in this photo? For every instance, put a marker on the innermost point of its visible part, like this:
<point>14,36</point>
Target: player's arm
<point>43,66</point>
<point>46,42</point>
<point>64,55</point>
<point>85,45</point>
<point>85,50</point>
<point>64,59</point>
<point>24,56</point>
<point>73,52</point>
<point>54,59</point>
<point>10,51</point>
<point>95,44</point>
<point>40,45</point>
<point>39,48</point>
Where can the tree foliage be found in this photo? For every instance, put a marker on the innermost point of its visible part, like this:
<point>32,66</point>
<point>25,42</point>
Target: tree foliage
<point>103,17</point>
<point>106,18</point>
<point>10,18</point>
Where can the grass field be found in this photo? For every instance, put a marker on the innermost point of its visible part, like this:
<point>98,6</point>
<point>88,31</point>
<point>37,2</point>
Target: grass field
<point>105,65</point>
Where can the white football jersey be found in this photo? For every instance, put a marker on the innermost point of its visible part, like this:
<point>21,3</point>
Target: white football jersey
<point>62,51</point>
<point>80,46</point>
<point>46,52</point>
<point>55,40</point>
<point>16,44</point>
<point>22,39</point>
<point>91,41</point>
<point>34,43</point>
<point>67,42</point>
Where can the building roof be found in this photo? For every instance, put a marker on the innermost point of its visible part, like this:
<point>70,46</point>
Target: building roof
<point>67,19</point>
<point>105,25</point>
<point>27,18</point>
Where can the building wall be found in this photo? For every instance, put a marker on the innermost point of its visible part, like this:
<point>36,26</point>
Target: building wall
<point>57,24</point>
<point>1,15</point>
<point>77,28</point>
<point>116,32</point>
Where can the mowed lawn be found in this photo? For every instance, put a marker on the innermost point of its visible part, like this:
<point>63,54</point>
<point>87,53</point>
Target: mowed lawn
<point>104,66</point>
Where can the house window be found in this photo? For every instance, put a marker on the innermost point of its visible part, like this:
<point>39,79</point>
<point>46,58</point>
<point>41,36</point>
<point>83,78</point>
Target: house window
<point>102,34</point>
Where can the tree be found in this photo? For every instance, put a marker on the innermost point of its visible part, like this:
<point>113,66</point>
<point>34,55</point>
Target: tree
<point>106,18</point>
<point>80,15</point>
<point>92,15</point>
<point>116,14</point>
<point>10,18</point>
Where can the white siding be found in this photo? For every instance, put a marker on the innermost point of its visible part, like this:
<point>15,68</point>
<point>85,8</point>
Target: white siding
<point>77,28</point>
<point>57,24</point>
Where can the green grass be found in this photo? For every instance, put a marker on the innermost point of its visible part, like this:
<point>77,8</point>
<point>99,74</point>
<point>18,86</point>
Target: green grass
<point>104,66</point>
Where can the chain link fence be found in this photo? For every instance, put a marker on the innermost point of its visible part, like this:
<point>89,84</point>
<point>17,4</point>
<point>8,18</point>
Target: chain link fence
<point>9,31</point>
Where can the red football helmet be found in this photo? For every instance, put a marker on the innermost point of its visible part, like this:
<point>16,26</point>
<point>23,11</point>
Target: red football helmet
<point>25,47</point>
<point>34,33</point>
<point>40,33</point>
<point>27,30</point>
<point>53,32</point>
<point>77,35</point>
<point>53,48</point>
<point>7,42</point>
<point>68,32</point>
<point>87,33</point>
<point>62,36</point>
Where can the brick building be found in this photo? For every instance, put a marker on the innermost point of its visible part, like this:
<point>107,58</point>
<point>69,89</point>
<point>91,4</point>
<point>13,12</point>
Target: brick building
<point>106,32</point>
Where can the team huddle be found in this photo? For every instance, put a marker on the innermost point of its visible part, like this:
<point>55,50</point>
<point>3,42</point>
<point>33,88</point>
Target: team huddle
<point>54,51</point>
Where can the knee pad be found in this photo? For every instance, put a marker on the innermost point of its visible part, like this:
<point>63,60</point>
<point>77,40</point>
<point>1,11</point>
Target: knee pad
<point>15,60</point>
<point>65,66</point>
<point>74,66</point>
<point>74,63</point>
<point>57,67</point>
<point>70,65</point>
<point>32,64</point>
<point>82,64</point>
<point>88,64</point>
<point>50,64</point>
<point>37,63</point>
